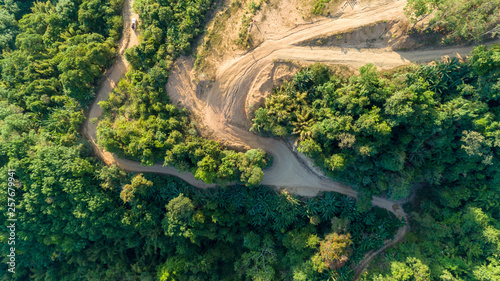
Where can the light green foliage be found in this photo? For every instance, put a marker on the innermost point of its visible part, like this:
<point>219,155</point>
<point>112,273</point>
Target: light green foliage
<point>417,10</point>
<point>411,270</point>
<point>319,7</point>
<point>172,269</point>
<point>489,271</point>
<point>455,234</point>
<point>461,242</point>
<point>178,219</point>
<point>244,39</point>
<point>460,19</point>
<point>140,123</point>
<point>180,208</point>
<point>139,185</point>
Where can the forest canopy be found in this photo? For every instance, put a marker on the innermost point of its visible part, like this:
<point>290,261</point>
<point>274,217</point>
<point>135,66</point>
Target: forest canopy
<point>80,220</point>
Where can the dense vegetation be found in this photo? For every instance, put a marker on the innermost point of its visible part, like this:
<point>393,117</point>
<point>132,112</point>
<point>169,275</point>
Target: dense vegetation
<point>455,236</point>
<point>77,228</point>
<point>10,13</point>
<point>464,20</point>
<point>383,132</point>
<point>80,220</point>
<point>139,121</point>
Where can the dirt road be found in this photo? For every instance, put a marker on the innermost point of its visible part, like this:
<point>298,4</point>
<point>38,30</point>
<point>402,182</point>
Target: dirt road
<point>110,79</point>
<point>221,106</point>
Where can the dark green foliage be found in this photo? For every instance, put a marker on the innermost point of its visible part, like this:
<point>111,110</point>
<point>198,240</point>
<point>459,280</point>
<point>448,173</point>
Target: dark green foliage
<point>8,28</point>
<point>384,132</point>
<point>455,237</point>
<point>444,127</point>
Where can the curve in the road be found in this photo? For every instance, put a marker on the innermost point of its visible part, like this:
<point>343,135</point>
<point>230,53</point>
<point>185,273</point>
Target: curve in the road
<point>224,102</point>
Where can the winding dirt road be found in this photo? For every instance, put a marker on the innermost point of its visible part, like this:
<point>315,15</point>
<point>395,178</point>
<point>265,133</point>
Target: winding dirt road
<point>221,107</point>
<point>109,81</point>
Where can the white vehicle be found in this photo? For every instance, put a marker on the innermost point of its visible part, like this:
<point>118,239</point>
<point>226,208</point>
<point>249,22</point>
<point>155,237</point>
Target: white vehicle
<point>134,23</point>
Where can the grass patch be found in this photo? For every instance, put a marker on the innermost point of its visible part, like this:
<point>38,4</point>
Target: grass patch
<point>244,40</point>
<point>213,40</point>
<point>319,7</point>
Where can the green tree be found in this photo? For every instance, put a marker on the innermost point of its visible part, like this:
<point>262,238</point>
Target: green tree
<point>412,270</point>
<point>178,218</point>
<point>8,28</point>
<point>259,261</point>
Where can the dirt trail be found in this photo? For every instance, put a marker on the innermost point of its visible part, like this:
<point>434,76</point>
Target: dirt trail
<point>111,78</point>
<point>221,105</point>
<point>107,83</point>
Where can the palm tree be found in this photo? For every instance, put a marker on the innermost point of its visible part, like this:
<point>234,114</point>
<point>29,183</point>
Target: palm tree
<point>369,218</point>
<point>313,206</point>
<point>330,204</point>
<point>303,125</point>
<point>300,99</point>
<point>280,107</point>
